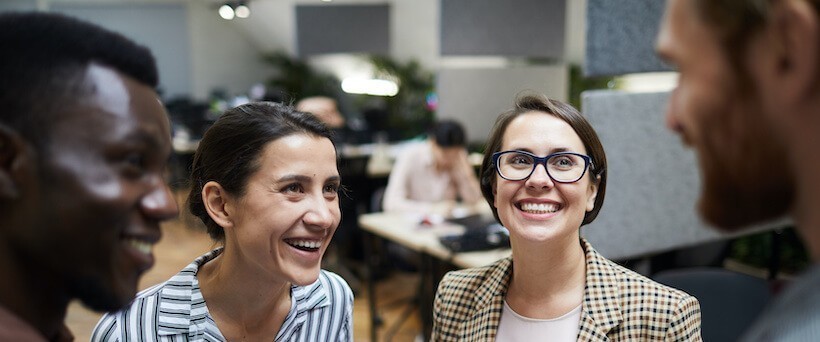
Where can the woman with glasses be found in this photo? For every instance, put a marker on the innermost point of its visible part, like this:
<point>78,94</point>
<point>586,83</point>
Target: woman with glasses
<point>544,175</point>
<point>264,182</point>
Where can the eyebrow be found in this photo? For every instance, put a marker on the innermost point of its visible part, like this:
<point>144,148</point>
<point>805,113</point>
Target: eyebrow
<point>304,179</point>
<point>551,151</point>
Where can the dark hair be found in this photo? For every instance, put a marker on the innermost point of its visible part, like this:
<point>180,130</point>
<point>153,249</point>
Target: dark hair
<point>229,151</point>
<point>448,133</point>
<point>563,111</point>
<point>43,58</point>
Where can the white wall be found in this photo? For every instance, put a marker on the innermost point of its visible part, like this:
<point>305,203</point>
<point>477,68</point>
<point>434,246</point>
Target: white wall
<point>222,54</point>
<point>226,54</point>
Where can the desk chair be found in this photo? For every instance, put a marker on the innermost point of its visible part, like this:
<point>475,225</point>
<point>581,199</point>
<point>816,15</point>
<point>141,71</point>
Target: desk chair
<point>729,301</point>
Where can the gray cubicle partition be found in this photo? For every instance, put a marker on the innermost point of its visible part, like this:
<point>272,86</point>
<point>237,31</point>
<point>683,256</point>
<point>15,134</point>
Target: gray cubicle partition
<point>621,37</point>
<point>322,29</point>
<point>520,28</point>
<point>653,181</point>
<point>475,96</point>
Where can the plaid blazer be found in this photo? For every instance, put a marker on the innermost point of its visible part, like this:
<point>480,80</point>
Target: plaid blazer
<point>619,305</point>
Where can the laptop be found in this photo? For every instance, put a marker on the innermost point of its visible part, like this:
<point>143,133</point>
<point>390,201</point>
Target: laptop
<point>480,233</point>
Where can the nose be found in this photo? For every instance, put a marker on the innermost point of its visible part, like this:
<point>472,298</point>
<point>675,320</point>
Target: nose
<point>159,203</point>
<point>540,178</point>
<point>322,213</point>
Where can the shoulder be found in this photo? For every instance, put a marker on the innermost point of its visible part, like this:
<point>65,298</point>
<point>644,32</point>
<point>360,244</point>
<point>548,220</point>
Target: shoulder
<point>111,325</point>
<point>336,287</point>
<point>602,272</point>
<point>464,284</point>
<point>648,308</point>
<point>793,316</point>
<point>472,277</point>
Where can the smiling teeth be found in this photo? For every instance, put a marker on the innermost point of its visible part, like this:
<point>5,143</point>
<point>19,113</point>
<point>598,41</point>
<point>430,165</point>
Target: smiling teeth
<point>539,208</point>
<point>140,245</point>
<point>306,243</point>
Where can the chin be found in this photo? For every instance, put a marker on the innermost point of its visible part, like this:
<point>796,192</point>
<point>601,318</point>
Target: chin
<point>732,209</point>
<point>101,298</point>
<point>306,277</point>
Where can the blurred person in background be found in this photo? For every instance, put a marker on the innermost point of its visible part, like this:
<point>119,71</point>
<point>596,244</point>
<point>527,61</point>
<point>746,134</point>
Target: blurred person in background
<point>429,177</point>
<point>84,142</point>
<point>748,103</point>
<point>544,175</point>
<point>265,184</point>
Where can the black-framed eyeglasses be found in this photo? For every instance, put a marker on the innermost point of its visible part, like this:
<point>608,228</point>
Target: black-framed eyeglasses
<point>562,167</point>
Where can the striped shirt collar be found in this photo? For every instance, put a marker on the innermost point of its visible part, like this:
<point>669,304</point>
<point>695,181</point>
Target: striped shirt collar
<point>182,309</point>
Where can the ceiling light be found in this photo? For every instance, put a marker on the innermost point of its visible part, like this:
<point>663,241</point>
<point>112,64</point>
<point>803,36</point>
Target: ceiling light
<point>242,11</point>
<point>226,12</point>
<point>370,87</point>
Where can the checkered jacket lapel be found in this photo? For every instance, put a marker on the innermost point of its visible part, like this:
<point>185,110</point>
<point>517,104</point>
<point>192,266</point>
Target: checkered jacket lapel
<point>601,312</point>
<point>619,305</point>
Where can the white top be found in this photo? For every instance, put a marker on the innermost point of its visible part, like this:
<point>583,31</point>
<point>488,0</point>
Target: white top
<point>514,327</point>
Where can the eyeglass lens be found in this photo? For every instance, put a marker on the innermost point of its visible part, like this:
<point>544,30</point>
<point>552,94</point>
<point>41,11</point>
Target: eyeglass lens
<point>561,167</point>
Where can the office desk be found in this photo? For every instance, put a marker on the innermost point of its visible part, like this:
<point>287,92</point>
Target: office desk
<point>406,231</point>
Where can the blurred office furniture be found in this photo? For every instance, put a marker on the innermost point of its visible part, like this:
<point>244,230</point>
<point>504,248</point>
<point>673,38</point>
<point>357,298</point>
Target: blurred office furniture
<point>189,121</point>
<point>423,239</point>
<point>729,301</point>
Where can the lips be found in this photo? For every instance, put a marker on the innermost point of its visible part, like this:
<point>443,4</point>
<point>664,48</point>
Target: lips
<point>139,249</point>
<point>308,245</point>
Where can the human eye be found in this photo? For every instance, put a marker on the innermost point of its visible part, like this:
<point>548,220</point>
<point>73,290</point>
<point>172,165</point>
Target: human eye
<point>293,188</point>
<point>519,159</point>
<point>133,164</point>
<point>564,161</point>
<point>331,188</point>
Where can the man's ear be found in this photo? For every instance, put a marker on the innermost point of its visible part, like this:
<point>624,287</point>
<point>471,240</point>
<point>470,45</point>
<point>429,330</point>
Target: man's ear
<point>795,25</point>
<point>14,152</point>
<point>217,203</point>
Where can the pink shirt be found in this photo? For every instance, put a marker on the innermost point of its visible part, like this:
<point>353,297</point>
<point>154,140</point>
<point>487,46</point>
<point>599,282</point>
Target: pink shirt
<point>416,186</point>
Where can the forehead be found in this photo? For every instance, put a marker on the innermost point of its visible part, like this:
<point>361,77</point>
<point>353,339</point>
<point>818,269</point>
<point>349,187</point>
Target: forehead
<point>683,33</point>
<point>541,133</point>
<point>301,154</point>
<point>114,107</point>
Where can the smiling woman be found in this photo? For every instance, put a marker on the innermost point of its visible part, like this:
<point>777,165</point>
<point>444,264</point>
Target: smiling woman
<point>544,175</point>
<point>265,183</point>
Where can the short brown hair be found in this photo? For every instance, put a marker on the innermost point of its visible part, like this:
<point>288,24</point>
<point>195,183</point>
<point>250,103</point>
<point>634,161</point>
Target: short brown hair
<point>563,111</point>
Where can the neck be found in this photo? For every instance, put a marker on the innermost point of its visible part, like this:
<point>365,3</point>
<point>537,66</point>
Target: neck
<point>548,280</point>
<point>803,142</point>
<point>807,205</point>
<point>241,301</point>
<point>32,293</point>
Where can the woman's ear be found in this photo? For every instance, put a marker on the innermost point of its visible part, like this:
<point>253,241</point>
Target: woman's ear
<point>592,193</point>
<point>217,203</point>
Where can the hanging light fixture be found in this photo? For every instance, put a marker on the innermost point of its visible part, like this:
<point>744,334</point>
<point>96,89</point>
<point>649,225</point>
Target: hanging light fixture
<point>242,10</point>
<point>235,9</point>
<point>226,12</point>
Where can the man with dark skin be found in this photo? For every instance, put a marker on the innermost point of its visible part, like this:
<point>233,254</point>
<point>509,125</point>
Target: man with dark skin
<point>83,145</point>
<point>748,102</point>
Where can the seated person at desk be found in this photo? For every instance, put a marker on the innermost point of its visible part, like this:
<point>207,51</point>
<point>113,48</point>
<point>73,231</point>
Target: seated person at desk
<point>544,175</point>
<point>326,110</point>
<point>265,184</point>
<point>429,176</point>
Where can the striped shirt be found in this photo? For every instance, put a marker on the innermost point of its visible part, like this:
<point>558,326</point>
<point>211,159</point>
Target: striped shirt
<point>176,311</point>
